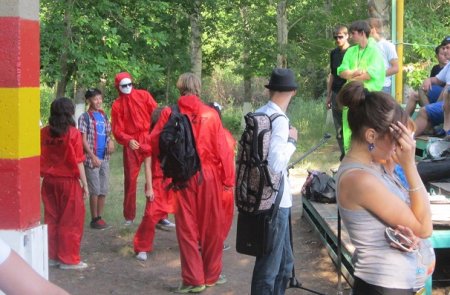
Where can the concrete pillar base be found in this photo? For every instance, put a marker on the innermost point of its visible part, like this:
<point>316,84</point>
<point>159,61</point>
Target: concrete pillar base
<point>32,245</point>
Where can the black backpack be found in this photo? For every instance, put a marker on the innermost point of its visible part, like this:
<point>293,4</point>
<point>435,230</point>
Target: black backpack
<point>177,150</point>
<point>256,184</point>
<point>319,187</point>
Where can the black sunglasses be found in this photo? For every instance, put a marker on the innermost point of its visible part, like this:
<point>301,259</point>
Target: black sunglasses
<point>126,85</point>
<point>338,37</point>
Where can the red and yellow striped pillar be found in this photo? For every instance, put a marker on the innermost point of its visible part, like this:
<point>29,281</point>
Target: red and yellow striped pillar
<point>19,114</point>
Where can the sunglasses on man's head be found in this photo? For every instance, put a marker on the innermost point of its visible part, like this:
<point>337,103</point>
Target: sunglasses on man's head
<point>126,85</point>
<point>338,37</point>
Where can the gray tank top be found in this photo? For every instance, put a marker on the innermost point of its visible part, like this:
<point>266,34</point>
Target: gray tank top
<point>374,260</point>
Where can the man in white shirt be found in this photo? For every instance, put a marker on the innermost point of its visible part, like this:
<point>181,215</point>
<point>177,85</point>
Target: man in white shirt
<point>273,271</point>
<point>387,50</point>
<point>439,112</point>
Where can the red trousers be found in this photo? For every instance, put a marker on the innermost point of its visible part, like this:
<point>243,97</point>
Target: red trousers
<point>132,162</point>
<point>154,211</point>
<point>64,216</point>
<point>228,211</point>
<point>199,222</point>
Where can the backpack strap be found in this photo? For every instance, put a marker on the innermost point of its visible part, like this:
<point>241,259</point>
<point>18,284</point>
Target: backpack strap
<point>274,116</point>
<point>175,108</point>
<point>278,199</point>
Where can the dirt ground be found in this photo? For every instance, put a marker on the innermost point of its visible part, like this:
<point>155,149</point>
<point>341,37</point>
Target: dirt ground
<point>114,270</point>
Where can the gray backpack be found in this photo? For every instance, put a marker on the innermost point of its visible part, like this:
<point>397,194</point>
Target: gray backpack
<point>256,185</point>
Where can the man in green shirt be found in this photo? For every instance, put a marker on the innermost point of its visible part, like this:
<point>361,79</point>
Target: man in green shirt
<point>362,62</point>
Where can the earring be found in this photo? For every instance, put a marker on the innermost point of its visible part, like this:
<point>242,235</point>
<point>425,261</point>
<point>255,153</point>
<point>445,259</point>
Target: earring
<point>370,147</point>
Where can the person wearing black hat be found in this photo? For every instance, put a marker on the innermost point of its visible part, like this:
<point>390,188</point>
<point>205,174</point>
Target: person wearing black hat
<point>271,273</point>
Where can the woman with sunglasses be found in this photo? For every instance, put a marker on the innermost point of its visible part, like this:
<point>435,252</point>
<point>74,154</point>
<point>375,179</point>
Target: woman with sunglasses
<point>369,202</point>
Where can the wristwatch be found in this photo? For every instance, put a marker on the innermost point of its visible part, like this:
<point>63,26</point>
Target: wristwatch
<point>292,140</point>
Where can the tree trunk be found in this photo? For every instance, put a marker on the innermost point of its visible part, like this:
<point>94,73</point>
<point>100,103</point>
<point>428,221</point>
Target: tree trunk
<point>196,39</point>
<point>381,9</point>
<point>168,80</point>
<point>247,88</point>
<point>282,33</point>
<point>329,8</point>
<point>245,55</point>
<point>63,59</point>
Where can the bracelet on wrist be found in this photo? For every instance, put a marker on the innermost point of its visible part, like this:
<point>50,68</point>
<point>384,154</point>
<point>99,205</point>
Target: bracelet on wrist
<point>416,188</point>
<point>293,141</point>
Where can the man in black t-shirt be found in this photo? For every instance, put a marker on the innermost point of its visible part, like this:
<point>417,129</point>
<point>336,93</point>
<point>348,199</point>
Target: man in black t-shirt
<point>335,83</point>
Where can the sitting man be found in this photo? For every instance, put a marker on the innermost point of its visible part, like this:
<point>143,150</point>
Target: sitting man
<point>421,97</point>
<point>433,114</point>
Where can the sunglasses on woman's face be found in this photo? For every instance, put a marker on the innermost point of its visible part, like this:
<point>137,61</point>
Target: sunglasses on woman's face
<point>126,85</point>
<point>338,37</point>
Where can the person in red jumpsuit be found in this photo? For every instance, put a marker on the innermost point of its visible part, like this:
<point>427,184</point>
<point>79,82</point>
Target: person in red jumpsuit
<point>62,169</point>
<point>131,116</point>
<point>198,208</point>
<point>156,208</point>
<point>228,195</point>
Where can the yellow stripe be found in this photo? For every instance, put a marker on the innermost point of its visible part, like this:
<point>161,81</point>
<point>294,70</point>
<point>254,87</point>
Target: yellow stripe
<point>19,123</point>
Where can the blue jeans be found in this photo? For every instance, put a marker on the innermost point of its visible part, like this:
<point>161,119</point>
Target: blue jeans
<point>272,272</point>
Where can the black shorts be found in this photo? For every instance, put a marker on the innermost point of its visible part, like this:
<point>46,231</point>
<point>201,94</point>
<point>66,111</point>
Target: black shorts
<point>360,287</point>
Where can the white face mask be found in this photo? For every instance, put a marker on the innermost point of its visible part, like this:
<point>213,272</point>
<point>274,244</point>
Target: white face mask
<point>125,86</point>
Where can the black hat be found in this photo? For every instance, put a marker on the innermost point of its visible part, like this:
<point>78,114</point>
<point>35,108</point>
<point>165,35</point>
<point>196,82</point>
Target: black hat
<point>445,41</point>
<point>282,80</point>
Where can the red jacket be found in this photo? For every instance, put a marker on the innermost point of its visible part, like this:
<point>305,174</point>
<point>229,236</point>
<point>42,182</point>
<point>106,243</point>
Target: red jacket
<point>131,115</point>
<point>210,138</point>
<point>60,155</point>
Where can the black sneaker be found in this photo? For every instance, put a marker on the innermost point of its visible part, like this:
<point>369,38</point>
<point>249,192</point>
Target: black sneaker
<point>98,223</point>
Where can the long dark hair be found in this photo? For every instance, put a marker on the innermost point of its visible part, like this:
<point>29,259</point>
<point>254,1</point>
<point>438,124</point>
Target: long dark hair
<point>369,109</point>
<point>61,116</point>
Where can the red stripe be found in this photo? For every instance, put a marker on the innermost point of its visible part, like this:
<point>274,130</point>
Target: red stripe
<point>20,52</point>
<point>19,193</point>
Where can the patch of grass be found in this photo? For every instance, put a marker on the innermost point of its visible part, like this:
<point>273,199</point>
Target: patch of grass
<point>113,212</point>
<point>309,117</point>
<point>231,119</point>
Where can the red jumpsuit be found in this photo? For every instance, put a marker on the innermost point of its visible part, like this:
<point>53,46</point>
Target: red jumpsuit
<point>228,194</point>
<point>62,194</point>
<point>154,210</point>
<point>199,213</point>
<point>131,118</point>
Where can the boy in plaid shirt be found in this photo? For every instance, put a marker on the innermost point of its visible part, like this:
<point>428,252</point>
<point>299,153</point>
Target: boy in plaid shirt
<point>96,131</point>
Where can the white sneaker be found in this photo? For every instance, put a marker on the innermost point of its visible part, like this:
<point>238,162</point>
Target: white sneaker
<point>128,222</point>
<point>165,224</point>
<point>81,265</point>
<point>142,256</point>
<point>53,262</point>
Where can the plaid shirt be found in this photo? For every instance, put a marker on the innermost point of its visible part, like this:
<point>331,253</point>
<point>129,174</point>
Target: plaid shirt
<point>86,125</point>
